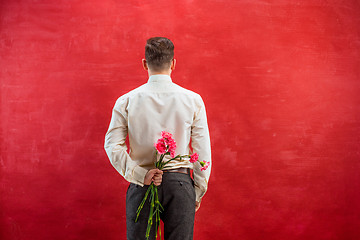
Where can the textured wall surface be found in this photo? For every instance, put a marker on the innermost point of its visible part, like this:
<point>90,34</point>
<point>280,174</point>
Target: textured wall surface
<point>280,80</point>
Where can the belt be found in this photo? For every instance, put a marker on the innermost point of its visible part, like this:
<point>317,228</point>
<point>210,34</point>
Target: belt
<point>178,170</point>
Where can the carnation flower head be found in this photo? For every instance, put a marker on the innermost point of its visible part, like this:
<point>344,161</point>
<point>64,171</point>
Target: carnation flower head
<point>194,157</point>
<point>166,134</point>
<point>166,144</point>
<point>160,146</point>
<point>172,147</point>
<point>204,165</point>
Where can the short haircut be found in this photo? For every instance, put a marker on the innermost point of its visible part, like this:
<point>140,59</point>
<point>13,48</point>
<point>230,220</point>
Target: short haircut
<point>159,52</point>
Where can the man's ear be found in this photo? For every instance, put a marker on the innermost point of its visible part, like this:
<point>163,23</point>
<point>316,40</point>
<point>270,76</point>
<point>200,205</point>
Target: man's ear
<point>173,63</point>
<point>144,63</point>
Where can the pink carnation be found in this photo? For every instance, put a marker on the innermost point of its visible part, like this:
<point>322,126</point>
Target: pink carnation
<point>194,157</point>
<point>204,165</point>
<point>172,147</point>
<point>166,144</point>
<point>166,134</point>
<point>160,146</point>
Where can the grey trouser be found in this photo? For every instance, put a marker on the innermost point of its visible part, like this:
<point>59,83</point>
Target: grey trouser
<point>177,196</point>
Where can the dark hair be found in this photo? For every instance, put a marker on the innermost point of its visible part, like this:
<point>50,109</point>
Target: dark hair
<point>159,52</point>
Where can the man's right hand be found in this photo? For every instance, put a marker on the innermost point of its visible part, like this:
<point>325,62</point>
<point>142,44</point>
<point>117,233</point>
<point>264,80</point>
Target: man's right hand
<point>153,175</point>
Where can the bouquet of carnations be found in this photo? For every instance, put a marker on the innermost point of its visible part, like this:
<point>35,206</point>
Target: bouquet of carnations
<point>165,145</point>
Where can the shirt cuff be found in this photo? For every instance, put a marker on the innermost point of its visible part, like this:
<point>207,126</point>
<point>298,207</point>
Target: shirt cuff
<point>199,193</point>
<point>139,175</point>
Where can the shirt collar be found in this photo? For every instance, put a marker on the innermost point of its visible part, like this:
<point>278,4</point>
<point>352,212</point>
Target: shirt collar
<point>159,78</point>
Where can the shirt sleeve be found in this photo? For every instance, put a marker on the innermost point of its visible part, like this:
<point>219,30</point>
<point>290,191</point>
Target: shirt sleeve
<point>116,148</point>
<point>200,142</point>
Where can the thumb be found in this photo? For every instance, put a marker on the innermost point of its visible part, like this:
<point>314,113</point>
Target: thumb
<point>152,172</point>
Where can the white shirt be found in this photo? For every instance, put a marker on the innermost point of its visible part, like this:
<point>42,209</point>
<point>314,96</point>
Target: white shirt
<point>159,105</point>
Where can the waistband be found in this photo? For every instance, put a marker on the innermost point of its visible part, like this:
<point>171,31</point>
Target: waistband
<point>178,170</point>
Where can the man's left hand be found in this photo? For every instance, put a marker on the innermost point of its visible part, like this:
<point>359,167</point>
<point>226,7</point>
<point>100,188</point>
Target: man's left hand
<point>197,206</point>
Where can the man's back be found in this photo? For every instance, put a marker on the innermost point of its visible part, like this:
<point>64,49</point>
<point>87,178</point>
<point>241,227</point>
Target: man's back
<point>161,105</point>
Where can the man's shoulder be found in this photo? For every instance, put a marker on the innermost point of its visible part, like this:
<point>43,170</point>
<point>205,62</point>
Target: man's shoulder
<point>123,99</point>
<point>188,92</point>
<point>133,92</point>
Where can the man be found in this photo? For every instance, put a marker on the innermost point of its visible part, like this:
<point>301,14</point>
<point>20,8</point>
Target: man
<point>142,114</point>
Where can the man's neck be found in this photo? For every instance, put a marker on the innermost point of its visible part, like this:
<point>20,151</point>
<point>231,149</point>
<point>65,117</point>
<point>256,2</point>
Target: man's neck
<point>157,73</point>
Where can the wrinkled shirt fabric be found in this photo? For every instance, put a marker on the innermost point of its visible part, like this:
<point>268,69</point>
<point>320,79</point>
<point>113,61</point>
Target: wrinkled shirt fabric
<point>142,114</point>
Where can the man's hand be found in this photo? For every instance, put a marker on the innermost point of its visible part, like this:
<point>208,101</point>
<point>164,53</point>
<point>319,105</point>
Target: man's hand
<point>197,205</point>
<point>153,175</point>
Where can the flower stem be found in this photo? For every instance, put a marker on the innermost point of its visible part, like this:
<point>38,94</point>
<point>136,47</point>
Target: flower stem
<point>143,201</point>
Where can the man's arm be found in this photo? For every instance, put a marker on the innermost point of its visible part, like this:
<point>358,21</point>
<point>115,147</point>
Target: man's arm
<point>200,142</point>
<point>116,148</point>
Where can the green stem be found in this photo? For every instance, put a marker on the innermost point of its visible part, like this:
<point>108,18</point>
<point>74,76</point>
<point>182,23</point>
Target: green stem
<point>157,213</point>
<point>150,220</point>
<point>164,163</point>
<point>143,202</point>
<point>160,160</point>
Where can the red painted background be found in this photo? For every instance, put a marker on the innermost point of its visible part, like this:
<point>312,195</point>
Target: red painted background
<point>280,80</point>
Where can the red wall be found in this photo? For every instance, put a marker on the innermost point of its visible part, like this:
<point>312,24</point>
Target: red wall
<point>280,80</point>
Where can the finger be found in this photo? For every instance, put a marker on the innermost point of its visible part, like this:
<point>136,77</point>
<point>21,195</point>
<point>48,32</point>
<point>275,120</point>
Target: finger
<point>154,171</point>
<point>158,171</point>
<point>197,206</point>
<point>157,177</point>
<point>156,183</point>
